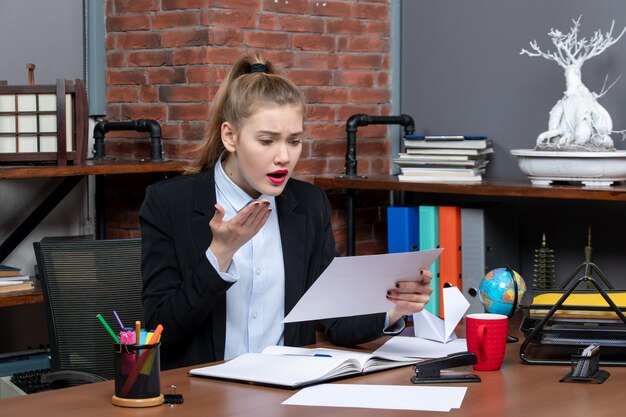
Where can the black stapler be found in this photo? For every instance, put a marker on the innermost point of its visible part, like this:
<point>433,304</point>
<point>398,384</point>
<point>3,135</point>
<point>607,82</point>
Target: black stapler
<point>429,371</point>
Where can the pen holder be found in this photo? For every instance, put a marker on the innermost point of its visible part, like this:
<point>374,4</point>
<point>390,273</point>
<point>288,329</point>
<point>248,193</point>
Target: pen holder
<point>586,369</point>
<point>137,375</point>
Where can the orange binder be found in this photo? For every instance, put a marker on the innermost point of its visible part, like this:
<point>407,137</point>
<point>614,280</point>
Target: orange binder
<point>450,258</point>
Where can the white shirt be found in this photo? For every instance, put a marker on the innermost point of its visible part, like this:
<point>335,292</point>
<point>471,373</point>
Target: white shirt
<point>255,303</point>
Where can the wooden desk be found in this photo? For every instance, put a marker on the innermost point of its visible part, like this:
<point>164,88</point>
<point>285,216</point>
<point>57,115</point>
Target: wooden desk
<point>515,390</point>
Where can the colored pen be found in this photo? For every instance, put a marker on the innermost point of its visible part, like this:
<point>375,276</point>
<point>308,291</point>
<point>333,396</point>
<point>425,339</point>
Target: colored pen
<point>138,333</point>
<point>317,355</point>
<point>118,319</point>
<point>108,329</point>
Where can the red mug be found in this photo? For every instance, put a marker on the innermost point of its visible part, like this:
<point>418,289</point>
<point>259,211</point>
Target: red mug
<point>486,336</point>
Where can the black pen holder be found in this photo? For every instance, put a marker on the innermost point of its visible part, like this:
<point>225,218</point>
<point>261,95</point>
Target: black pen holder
<point>586,369</point>
<point>137,375</point>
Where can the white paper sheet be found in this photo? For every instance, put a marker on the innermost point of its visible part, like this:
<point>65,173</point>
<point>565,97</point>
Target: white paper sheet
<point>356,285</point>
<point>414,347</point>
<point>429,326</point>
<point>392,397</point>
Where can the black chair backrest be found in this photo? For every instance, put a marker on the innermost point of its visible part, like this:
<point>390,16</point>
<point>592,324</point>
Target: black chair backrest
<point>83,278</point>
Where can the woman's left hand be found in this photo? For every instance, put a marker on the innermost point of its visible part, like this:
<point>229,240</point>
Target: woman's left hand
<point>410,296</point>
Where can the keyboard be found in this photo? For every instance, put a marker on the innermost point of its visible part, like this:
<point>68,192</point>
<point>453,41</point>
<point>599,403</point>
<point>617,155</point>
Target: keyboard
<point>30,381</point>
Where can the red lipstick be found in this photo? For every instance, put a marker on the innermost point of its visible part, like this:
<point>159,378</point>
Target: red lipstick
<point>278,177</point>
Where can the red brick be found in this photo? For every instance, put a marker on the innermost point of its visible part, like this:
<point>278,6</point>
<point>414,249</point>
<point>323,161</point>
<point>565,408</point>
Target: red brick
<point>186,56</point>
<point>193,130</point>
<point>258,39</point>
<point>116,59</point>
<point>156,58</point>
<point>206,74</point>
<point>316,60</point>
<point>237,4</point>
<point>184,4</point>
<point>148,94</point>
<point>222,55</point>
<point>126,77</point>
<point>122,94</point>
<point>111,41</point>
<point>380,28</point>
<point>372,44</point>
<point>180,150</point>
<point>310,77</point>
<point>129,6</point>
<point>327,8</point>
<point>166,75</point>
<point>267,22</point>
<point>126,23</point>
<point>382,79</point>
<point>183,38</point>
<point>186,93</point>
<point>326,94</point>
<point>337,166</point>
<point>228,18</point>
<point>346,111</point>
<point>373,147</point>
<point>342,44</point>
<point>325,131</point>
<point>113,111</point>
<point>320,113</point>
<point>369,95</point>
<point>371,11</point>
<point>290,7</point>
<point>226,37</point>
<point>140,111</point>
<point>138,40</point>
<point>313,42</point>
<point>199,112</point>
<point>178,19</point>
<point>170,130</point>
<point>346,27</point>
<point>361,61</point>
<point>281,59</point>
<point>310,166</point>
<point>300,24</point>
<point>354,78</point>
<point>323,148</point>
<point>380,165</point>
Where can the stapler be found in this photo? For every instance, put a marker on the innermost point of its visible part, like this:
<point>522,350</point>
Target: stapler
<point>429,371</point>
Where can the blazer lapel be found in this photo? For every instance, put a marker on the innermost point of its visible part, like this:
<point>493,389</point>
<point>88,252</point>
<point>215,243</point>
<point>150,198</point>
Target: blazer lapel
<point>292,235</point>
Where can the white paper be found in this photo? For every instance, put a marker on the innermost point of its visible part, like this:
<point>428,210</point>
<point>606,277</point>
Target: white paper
<point>414,347</point>
<point>357,285</point>
<point>391,397</point>
<point>428,326</point>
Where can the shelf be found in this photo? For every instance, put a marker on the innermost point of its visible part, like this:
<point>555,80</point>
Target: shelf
<point>32,296</point>
<point>508,188</point>
<point>91,167</point>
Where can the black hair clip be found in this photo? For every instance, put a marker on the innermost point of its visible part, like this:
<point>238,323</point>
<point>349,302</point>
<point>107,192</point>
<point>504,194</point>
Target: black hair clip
<point>258,68</point>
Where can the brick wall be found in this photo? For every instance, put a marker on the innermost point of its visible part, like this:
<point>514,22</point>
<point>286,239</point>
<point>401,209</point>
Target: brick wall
<point>166,59</point>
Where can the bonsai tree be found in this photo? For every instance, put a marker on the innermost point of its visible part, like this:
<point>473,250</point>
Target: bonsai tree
<point>577,121</point>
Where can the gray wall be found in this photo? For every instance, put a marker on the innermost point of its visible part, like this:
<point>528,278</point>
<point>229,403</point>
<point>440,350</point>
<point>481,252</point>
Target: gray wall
<point>47,33</point>
<point>462,72</point>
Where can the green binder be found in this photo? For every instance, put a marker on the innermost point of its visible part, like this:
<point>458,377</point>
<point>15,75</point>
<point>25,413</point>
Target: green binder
<point>429,239</point>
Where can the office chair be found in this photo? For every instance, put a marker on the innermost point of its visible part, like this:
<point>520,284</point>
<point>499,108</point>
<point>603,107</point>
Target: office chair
<point>80,279</point>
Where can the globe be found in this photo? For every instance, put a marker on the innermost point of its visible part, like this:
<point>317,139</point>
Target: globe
<point>497,291</point>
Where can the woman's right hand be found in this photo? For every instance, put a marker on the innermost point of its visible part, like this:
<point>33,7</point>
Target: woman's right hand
<point>229,236</point>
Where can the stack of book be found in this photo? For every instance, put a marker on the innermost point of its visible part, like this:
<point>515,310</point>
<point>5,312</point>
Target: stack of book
<point>11,279</point>
<point>444,158</point>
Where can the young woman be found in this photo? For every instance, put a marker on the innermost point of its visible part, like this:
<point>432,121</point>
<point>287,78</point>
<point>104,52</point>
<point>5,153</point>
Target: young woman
<point>231,247</point>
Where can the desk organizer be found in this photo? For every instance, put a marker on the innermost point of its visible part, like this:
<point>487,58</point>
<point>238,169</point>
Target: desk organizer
<point>586,369</point>
<point>557,328</point>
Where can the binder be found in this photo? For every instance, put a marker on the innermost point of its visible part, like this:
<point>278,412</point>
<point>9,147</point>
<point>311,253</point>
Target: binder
<point>402,229</point>
<point>450,258</point>
<point>489,240</point>
<point>429,239</point>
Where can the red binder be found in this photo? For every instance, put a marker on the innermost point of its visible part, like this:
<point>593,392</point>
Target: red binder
<point>450,258</point>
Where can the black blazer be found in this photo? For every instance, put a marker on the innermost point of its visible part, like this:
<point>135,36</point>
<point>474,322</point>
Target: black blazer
<point>183,292</point>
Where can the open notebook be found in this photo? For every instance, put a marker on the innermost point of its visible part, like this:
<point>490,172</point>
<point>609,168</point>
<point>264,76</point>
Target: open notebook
<point>293,367</point>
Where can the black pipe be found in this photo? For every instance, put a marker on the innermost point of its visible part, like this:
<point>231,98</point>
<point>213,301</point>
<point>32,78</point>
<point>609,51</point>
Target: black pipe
<point>361,119</point>
<point>352,125</point>
<point>142,125</point>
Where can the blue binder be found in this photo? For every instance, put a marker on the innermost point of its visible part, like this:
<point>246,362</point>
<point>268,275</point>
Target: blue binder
<point>402,229</point>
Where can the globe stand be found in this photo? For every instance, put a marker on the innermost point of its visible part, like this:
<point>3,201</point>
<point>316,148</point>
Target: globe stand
<point>509,338</point>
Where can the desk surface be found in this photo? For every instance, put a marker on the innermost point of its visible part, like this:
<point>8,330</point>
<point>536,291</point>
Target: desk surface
<point>515,390</point>
<point>14,298</point>
<point>91,167</point>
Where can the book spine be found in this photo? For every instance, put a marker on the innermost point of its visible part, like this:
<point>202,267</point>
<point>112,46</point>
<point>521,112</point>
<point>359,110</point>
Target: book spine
<point>429,239</point>
<point>472,256</point>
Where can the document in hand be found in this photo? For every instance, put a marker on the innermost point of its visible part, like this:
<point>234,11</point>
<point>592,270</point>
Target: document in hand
<point>429,326</point>
<point>356,285</point>
<point>293,367</point>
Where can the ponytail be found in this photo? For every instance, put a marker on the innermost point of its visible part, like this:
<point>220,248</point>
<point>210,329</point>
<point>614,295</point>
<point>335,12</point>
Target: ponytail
<point>251,82</point>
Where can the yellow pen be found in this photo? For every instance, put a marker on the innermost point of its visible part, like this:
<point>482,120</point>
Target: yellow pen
<point>137,333</point>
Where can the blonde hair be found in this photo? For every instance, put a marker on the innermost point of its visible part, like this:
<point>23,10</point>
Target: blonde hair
<point>239,95</point>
